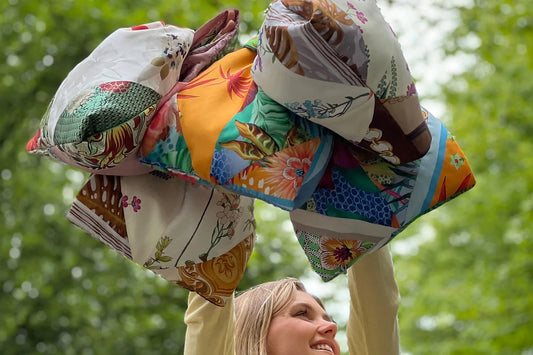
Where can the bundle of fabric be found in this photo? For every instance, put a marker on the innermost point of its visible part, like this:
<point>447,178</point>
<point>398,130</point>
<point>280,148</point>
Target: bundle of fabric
<point>318,115</point>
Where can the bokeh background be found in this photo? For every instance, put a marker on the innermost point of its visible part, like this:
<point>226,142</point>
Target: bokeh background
<point>465,270</point>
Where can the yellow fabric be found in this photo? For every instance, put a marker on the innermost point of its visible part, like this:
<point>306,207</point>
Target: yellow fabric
<point>372,327</point>
<point>210,328</point>
<point>216,95</point>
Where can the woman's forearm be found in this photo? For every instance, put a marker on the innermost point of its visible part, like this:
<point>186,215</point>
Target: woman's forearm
<point>373,325</point>
<point>210,329</point>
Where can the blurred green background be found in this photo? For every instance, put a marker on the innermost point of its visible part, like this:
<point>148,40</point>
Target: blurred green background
<point>465,270</point>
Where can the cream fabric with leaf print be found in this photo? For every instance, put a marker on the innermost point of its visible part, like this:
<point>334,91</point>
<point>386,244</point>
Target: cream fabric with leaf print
<point>338,63</point>
<point>174,224</point>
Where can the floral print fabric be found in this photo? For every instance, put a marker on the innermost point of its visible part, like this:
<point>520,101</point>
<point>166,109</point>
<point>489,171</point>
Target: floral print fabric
<point>101,111</point>
<point>221,129</point>
<point>338,64</point>
<point>366,201</point>
<point>318,115</point>
<point>161,222</point>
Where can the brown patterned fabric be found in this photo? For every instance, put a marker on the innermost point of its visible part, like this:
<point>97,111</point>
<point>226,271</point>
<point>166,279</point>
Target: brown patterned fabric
<point>216,279</point>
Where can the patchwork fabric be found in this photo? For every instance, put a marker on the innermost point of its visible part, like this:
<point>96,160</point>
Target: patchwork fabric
<point>318,115</point>
<point>230,133</point>
<point>365,201</point>
<point>101,111</point>
<point>160,222</point>
<point>339,64</point>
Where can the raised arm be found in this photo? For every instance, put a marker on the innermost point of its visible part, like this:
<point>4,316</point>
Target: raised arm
<point>210,329</point>
<point>373,324</point>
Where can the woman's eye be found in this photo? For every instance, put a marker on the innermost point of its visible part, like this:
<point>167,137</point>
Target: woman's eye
<point>301,314</point>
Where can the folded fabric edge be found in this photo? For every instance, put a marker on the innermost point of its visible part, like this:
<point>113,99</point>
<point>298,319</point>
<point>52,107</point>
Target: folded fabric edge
<point>83,217</point>
<point>341,228</point>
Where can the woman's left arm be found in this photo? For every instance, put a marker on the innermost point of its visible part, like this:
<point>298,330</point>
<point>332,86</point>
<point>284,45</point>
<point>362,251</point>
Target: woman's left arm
<point>210,329</point>
<point>373,325</point>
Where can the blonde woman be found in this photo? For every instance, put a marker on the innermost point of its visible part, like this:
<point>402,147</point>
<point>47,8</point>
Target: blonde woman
<point>280,317</point>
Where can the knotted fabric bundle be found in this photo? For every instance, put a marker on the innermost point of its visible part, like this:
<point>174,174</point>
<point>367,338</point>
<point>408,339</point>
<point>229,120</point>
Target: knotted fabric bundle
<point>317,115</point>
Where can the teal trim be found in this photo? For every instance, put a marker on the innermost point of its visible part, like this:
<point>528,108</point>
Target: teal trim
<point>438,167</point>
<point>316,171</point>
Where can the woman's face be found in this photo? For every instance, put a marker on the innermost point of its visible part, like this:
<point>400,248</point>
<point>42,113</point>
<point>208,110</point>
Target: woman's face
<point>302,327</point>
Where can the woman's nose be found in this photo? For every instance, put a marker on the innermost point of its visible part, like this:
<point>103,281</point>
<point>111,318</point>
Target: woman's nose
<point>328,327</point>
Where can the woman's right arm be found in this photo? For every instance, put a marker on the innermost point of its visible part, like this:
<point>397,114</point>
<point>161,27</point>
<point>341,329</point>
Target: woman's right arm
<point>373,324</point>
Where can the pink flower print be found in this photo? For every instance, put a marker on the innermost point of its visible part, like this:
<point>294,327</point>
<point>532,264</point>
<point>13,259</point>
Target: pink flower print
<point>136,204</point>
<point>411,90</point>
<point>124,201</point>
<point>116,86</point>
<point>361,17</point>
<point>351,6</point>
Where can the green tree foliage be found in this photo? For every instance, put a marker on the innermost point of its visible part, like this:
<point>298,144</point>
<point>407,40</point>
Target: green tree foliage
<point>468,289</point>
<point>61,291</point>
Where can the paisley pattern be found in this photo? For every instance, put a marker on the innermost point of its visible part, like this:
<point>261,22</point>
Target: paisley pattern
<point>216,279</point>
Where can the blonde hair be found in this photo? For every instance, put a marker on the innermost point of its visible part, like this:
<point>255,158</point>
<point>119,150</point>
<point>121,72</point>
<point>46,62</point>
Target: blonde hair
<point>255,308</point>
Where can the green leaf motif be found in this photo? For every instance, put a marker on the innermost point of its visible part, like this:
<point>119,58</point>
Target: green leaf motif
<point>158,62</point>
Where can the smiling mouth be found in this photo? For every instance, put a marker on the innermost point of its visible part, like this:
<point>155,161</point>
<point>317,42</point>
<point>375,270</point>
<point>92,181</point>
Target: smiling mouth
<point>323,347</point>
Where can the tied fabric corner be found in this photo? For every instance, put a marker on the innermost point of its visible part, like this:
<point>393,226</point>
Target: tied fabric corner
<point>161,223</point>
<point>338,64</point>
<point>100,112</point>
<point>363,201</point>
<point>221,130</point>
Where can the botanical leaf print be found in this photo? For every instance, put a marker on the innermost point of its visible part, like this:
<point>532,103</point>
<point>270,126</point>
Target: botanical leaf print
<point>271,116</point>
<point>237,82</point>
<point>227,219</point>
<point>387,87</point>
<point>294,137</point>
<point>245,150</point>
<point>283,48</point>
<point>319,109</point>
<point>261,143</point>
<point>258,136</point>
<point>159,256</point>
<point>324,15</point>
